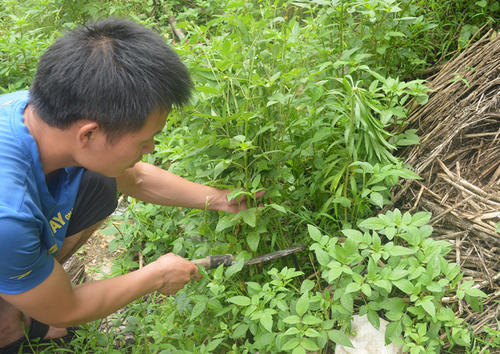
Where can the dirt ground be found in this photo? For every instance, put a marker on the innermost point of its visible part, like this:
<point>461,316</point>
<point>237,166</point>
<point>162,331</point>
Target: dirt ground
<point>94,260</point>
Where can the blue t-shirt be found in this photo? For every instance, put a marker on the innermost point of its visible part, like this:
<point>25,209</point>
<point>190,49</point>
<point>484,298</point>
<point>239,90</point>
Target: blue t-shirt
<point>34,213</point>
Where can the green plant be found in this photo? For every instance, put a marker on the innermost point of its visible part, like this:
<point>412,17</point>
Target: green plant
<point>393,268</point>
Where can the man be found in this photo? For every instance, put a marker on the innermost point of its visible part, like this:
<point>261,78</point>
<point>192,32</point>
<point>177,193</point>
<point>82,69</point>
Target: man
<point>100,95</point>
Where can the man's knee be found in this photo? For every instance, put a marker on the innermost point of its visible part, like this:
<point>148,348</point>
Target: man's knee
<point>72,243</point>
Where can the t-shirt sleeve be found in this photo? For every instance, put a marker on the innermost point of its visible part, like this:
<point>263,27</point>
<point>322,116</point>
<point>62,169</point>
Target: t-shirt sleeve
<point>24,262</point>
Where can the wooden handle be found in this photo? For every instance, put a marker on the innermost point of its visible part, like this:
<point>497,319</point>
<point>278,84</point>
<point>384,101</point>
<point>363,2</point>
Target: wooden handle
<point>212,262</point>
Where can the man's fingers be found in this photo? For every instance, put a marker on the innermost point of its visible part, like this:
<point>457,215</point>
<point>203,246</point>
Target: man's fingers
<point>260,194</point>
<point>195,273</point>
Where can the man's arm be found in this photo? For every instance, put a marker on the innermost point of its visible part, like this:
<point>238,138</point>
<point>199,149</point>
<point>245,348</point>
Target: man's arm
<point>58,304</point>
<point>155,185</point>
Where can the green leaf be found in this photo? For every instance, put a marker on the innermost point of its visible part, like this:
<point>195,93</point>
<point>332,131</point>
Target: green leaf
<point>434,287</point>
<point>240,300</point>
<point>322,257</point>
<point>249,216</point>
<point>291,344</point>
<point>420,219</point>
<point>404,285</point>
<point>352,287</point>
<point>253,239</point>
<point>240,331</point>
<point>299,350</point>
<point>311,320</point>
<point>390,232</point>
<point>355,235</point>
<point>366,289</point>
<point>308,344</point>
<point>233,269</point>
<point>339,337</point>
<point>428,306</point>
<point>211,346</point>
<point>374,319</point>
<point>302,304</point>
<point>267,322</point>
<point>311,333</point>
<point>373,224</point>
<point>397,251</point>
<point>306,286</point>
<point>377,199</point>
<point>291,331</point>
<point>225,222</point>
<point>198,308</point>
<point>293,319</point>
<point>397,273</point>
<point>393,331</point>
<point>278,208</point>
<point>314,232</point>
<point>384,284</point>
<point>475,292</point>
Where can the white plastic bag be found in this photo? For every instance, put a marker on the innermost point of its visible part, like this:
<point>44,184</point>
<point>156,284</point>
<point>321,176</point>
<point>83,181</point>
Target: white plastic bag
<point>368,340</point>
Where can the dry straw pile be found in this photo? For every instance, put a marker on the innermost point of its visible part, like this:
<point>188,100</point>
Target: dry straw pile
<point>459,161</point>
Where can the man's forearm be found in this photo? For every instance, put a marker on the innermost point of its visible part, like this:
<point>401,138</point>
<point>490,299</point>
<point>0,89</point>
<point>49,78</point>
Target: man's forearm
<point>58,304</point>
<point>152,184</point>
<point>100,298</point>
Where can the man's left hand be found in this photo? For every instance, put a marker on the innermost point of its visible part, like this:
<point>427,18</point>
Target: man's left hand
<point>234,205</point>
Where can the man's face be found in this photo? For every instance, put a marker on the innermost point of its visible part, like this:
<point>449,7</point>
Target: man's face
<point>112,159</point>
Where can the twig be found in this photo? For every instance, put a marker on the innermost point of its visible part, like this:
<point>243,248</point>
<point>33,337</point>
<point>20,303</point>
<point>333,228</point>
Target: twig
<point>141,260</point>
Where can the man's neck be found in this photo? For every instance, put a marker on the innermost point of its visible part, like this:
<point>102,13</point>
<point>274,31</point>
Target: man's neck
<point>54,145</point>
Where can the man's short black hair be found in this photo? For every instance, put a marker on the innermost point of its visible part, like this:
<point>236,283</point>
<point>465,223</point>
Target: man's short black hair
<point>114,72</point>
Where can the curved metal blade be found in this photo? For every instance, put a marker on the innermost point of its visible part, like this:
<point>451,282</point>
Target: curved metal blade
<point>275,255</point>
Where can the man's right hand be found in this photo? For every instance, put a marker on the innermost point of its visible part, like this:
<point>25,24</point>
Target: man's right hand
<point>174,272</point>
<point>58,304</point>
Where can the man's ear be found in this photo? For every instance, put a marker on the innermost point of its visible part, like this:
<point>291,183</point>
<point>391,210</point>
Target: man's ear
<point>87,133</point>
